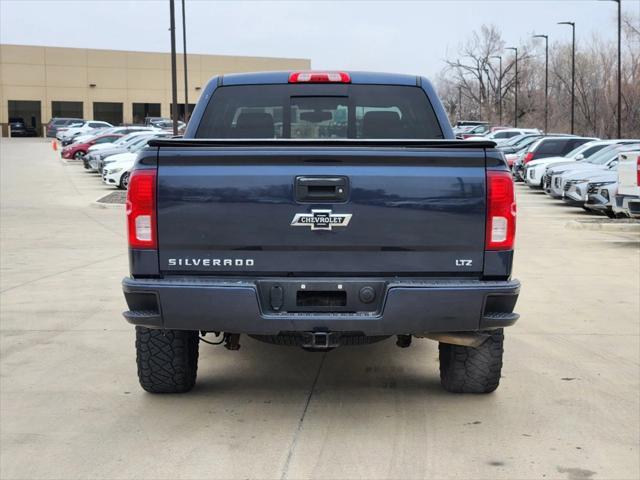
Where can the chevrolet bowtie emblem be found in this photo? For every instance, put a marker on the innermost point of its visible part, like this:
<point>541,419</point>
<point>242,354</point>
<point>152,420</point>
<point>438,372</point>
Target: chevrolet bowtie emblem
<point>321,219</point>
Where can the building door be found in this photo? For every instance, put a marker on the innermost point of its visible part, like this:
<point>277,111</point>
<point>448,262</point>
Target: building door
<point>29,112</point>
<point>181,110</point>
<point>144,110</point>
<point>108,112</point>
<point>66,110</point>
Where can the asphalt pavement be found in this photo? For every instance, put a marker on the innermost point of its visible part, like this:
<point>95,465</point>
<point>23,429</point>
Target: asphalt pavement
<point>568,406</point>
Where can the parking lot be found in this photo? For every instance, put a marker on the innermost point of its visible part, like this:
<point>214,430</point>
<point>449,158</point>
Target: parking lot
<point>568,405</point>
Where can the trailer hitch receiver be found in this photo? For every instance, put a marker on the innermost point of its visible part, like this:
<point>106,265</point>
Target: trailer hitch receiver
<point>320,340</point>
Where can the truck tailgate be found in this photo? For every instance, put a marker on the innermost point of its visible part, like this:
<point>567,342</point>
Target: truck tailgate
<point>333,211</point>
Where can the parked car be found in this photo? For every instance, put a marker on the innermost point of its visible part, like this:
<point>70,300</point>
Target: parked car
<point>502,136</point>
<point>18,128</point>
<point>601,195</point>
<point>478,130</point>
<point>518,142</point>
<point>458,131</point>
<point>559,175</point>
<point>167,125</point>
<point>149,120</point>
<point>134,146</point>
<point>534,170</point>
<point>162,123</point>
<point>78,150</point>
<point>96,153</point>
<point>515,147</point>
<point>104,131</point>
<point>471,123</point>
<point>549,147</point>
<point>67,136</point>
<point>578,184</point>
<point>116,172</point>
<point>627,200</point>
<point>321,243</point>
<point>59,124</point>
<point>515,159</point>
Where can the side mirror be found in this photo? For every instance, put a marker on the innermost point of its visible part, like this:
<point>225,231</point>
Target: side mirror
<point>579,157</point>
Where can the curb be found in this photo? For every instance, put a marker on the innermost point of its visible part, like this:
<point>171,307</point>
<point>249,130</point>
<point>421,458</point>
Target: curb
<point>604,226</point>
<point>69,162</point>
<point>97,204</point>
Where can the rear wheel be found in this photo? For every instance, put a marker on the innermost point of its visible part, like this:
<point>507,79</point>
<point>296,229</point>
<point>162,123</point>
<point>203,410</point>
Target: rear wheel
<point>78,155</point>
<point>167,359</point>
<point>124,181</point>
<point>472,369</point>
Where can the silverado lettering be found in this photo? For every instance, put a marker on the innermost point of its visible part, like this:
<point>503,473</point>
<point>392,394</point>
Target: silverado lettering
<point>211,262</point>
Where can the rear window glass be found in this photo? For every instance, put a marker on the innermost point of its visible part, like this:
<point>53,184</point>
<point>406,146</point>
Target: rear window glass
<point>505,134</point>
<point>591,150</point>
<point>551,146</point>
<point>574,144</point>
<point>319,112</point>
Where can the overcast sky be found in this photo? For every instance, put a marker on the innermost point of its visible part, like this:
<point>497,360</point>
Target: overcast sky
<point>396,36</point>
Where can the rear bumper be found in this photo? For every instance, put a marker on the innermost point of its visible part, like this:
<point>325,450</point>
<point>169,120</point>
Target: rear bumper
<point>628,204</point>
<point>406,306</point>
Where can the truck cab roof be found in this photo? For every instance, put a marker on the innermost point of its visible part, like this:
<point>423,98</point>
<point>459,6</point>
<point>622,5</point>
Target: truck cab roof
<point>372,78</point>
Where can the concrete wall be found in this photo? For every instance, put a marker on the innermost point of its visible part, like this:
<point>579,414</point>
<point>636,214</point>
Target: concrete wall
<point>65,74</point>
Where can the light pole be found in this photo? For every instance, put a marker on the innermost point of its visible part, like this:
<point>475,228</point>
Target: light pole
<point>546,80</point>
<point>515,121</point>
<point>459,103</point>
<point>573,72</point>
<point>174,88</point>
<point>486,96</point>
<point>499,87</point>
<point>186,84</point>
<point>619,2</point>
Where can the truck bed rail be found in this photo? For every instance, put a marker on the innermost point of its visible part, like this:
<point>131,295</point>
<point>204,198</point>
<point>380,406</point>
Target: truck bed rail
<point>320,143</point>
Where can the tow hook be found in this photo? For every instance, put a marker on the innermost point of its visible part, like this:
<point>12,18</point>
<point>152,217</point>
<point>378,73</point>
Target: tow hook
<point>403,341</point>
<point>320,340</point>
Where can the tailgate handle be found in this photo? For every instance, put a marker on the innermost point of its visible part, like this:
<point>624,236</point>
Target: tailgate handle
<point>322,189</point>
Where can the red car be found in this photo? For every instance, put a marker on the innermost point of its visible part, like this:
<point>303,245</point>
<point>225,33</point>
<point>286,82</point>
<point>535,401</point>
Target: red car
<point>79,150</point>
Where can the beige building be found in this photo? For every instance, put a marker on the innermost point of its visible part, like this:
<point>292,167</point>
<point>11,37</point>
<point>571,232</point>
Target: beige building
<point>38,83</point>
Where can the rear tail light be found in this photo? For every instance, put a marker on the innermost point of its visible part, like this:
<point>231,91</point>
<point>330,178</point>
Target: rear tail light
<point>141,209</point>
<point>319,77</point>
<point>638,171</point>
<point>501,211</point>
<point>528,157</point>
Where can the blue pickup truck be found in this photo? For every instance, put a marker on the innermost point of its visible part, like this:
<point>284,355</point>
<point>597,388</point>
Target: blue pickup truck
<point>318,210</point>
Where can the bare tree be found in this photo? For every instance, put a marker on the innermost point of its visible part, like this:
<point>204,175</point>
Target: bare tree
<point>471,85</point>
